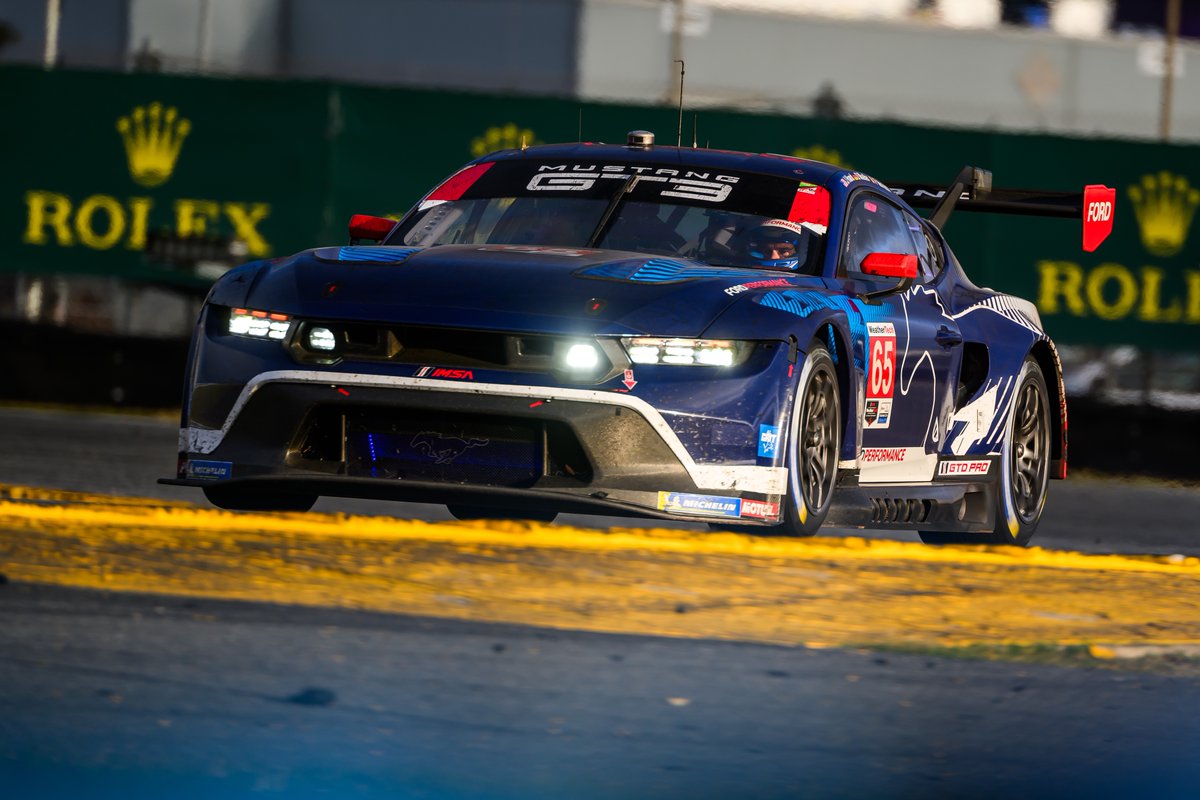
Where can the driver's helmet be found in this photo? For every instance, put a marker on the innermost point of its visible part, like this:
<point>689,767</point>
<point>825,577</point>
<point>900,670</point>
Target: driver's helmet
<point>776,243</point>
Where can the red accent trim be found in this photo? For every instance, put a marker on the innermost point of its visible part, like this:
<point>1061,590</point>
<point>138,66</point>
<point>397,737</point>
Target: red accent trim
<point>1099,206</point>
<point>343,392</point>
<point>364,226</point>
<point>890,265</point>
<point>458,183</point>
<point>811,204</point>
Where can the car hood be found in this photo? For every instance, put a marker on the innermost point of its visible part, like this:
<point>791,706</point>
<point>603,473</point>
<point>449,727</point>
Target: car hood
<point>507,287</point>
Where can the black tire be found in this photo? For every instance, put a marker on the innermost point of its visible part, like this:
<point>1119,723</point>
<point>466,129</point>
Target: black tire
<point>1024,467</point>
<point>468,513</point>
<point>236,498</point>
<point>814,446</point>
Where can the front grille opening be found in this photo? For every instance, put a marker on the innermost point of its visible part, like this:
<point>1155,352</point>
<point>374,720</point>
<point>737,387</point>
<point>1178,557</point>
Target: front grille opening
<point>467,449</point>
<point>414,344</point>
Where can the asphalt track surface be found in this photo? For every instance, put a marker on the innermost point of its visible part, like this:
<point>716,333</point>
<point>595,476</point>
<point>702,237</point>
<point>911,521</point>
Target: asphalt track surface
<point>125,694</point>
<point>125,455</point>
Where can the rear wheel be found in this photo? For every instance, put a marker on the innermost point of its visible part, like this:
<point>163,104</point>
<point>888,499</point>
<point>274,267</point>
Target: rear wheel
<point>237,498</point>
<point>468,513</point>
<point>1024,467</point>
<point>814,445</point>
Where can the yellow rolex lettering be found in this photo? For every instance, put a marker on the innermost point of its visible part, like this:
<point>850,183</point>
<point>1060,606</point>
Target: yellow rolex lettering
<point>1151,309</point>
<point>192,217</point>
<point>1127,291</point>
<point>245,225</point>
<point>85,222</point>
<point>48,209</point>
<point>1193,296</point>
<point>139,213</point>
<point>1061,279</point>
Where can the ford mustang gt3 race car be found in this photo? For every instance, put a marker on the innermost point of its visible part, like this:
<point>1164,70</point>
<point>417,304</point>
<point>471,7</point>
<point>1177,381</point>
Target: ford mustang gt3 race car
<point>749,340</point>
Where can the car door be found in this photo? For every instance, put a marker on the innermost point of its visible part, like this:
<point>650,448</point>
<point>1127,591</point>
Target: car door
<point>911,351</point>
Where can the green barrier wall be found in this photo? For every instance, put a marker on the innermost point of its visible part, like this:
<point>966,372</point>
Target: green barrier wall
<point>90,162</point>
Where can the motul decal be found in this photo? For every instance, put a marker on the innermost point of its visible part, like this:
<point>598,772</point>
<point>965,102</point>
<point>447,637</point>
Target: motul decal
<point>760,509</point>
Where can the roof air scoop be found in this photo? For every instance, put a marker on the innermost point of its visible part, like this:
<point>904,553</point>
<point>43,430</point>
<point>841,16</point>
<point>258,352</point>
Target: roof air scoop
<point>639,139</point>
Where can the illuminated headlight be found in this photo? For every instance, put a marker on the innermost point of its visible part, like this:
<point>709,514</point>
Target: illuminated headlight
<point>690,352</point>
<point>582,356</point>
<point>321,339</point>
<point>261,324</point>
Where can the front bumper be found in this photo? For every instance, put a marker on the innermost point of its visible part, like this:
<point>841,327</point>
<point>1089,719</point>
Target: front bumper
<point>497,445</point>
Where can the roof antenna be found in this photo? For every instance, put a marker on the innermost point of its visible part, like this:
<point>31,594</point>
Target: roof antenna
<point>695,122</point>
<point>679,138</point>
<point>523,145</point>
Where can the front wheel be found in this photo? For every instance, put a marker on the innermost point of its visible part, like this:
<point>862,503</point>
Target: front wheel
<point>1024,467</point>
<point>814,444</point>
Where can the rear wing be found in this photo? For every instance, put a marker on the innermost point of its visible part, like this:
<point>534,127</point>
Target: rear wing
<point>972,191</point>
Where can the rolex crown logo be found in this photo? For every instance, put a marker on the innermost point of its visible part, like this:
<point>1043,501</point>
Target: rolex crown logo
<point>1164,205</point>
<point>502,137</point>
<point>152,139</point>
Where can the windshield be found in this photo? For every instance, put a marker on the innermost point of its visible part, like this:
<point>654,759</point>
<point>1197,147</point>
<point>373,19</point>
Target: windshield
<point>721,219</point>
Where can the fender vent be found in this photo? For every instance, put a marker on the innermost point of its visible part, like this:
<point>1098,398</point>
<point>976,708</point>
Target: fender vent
<point>892,509</point>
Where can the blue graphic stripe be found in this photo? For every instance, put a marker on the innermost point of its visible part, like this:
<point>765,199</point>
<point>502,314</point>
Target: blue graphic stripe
<point>660,270</point>
<point>375,254</point>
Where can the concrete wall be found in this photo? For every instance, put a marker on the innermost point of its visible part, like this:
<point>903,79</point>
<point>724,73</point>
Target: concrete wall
<point>1010,78</point>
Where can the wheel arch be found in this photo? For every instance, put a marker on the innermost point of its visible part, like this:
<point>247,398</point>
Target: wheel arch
<point>835,338</point>
<point>1046,355</point>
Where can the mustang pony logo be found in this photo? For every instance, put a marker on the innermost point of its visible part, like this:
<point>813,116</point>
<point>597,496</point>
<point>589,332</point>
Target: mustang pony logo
<point>443,449</point>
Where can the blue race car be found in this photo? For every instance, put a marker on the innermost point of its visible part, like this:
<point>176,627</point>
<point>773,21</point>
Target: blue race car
<point>755,341</point>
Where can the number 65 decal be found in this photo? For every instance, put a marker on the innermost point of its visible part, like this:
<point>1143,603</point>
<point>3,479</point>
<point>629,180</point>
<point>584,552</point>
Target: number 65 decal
<point>881,374</point>
<point>881,378</point>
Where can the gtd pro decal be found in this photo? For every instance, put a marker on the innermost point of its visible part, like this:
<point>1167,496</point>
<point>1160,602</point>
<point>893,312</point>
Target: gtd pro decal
<point>881,374</point>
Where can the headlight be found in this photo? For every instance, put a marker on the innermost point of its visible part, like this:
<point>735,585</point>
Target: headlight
<point>582,356</point>
<point>321,338</point>
<point>259,324</point>
<point>687,352</point>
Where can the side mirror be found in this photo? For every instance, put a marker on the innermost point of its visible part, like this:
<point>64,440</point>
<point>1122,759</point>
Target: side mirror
<point>889,265</point>
<point>375,229</point>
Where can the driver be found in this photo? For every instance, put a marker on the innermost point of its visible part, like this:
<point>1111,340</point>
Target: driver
<point>776,243</point>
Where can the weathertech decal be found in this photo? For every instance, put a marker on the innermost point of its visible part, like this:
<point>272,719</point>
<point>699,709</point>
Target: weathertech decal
<point>708,505</point>
<point>882,455</point>
<point>961,468</point>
